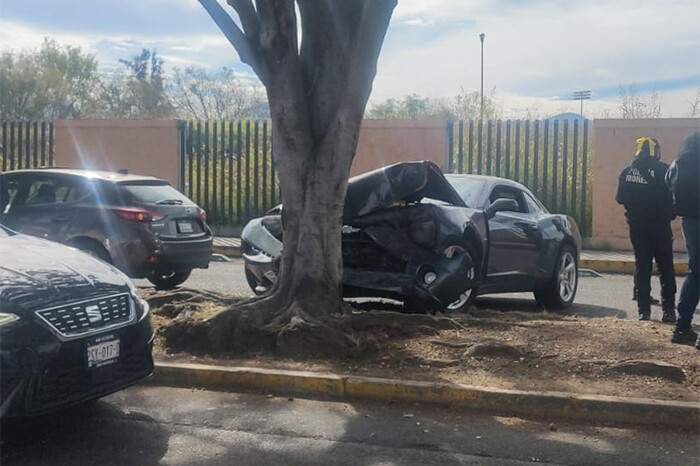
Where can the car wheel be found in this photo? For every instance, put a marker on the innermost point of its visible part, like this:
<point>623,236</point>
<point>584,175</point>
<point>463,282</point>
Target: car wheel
<point>466,299</point>
<point>561,288</point>
<point>259,287</point>
<point>168,281</point>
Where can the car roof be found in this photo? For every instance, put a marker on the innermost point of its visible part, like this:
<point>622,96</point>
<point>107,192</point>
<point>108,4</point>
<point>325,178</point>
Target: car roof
<point>115,177</point>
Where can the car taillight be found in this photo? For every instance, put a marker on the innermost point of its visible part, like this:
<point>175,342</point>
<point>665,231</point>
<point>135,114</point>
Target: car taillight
<point>203,215</point>
<point>138,215</point>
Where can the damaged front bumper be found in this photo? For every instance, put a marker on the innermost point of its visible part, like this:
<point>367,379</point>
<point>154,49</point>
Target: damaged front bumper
<point>436,284</point>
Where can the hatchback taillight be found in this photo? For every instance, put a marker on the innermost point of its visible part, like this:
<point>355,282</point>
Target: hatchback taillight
<point>202,215</point>
<point>138,215</point>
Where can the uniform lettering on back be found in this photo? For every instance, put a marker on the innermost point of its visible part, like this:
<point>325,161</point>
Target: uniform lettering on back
<point>633,176</point>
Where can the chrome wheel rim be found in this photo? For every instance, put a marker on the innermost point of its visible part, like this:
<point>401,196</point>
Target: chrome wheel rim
<point>464,297</point>
<point>567,277</point>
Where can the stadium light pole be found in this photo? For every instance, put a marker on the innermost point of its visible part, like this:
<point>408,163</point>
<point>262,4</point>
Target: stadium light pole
<point>582,95</point>
<point>481,38</point>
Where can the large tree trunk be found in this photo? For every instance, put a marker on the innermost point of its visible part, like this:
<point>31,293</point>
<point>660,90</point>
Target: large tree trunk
<point>317,93</point>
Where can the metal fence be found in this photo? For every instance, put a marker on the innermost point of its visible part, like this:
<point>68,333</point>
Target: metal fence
<point>226,167</point>
<point>551,157</point>
<point>25,144</point>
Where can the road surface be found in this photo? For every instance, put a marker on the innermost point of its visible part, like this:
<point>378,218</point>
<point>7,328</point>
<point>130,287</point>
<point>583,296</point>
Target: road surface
<point>150,425</point>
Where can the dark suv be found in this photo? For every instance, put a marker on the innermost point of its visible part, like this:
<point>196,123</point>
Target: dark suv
<point>140,224</point>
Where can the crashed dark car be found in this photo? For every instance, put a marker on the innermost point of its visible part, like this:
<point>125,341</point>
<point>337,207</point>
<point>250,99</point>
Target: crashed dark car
<point>72,328</point>
<point>436,242</point>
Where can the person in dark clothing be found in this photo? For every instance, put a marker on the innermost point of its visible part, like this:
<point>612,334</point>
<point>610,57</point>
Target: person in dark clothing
<point>683,179</point>
<point>649,210</point>
<point>652,300</point>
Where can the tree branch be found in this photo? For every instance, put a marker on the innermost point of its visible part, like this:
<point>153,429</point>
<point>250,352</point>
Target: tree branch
<point>236,37</point>
<point>248,17</point>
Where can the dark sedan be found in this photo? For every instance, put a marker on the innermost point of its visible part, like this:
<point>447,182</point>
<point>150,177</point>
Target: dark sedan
<point>140,224</point>
<point>72,328</point>
<point>436,242</point>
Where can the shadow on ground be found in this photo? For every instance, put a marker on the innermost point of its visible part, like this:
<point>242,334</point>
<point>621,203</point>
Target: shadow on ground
<point>96,433</point>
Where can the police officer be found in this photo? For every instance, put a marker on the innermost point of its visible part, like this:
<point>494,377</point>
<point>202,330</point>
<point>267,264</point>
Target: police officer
<point>684,180</point>
<point>649,210</point>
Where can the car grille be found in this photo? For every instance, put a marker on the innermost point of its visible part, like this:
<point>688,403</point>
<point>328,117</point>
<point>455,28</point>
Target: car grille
<point>85,317</point>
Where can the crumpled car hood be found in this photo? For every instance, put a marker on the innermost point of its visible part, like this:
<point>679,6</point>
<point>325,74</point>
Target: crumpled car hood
<point>402,182</point>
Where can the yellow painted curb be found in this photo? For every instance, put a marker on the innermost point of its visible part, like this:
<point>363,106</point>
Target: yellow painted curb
<point>620,266</point>
<point>230,251</point>
<point>595,408</point>
<point>228,378</point>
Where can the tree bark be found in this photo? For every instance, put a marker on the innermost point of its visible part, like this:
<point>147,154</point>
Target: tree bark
<point>317,94</point>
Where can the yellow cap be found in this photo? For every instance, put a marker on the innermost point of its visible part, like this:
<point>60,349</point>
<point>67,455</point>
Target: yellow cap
<point>646,146</point>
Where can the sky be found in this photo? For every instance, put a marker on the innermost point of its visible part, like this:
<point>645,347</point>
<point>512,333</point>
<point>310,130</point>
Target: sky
<point>536,52</point>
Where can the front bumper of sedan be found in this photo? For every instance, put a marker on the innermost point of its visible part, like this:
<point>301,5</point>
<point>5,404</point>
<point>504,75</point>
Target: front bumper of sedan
<point>43,373</point>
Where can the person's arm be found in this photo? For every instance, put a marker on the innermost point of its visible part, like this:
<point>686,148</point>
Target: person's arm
<point>622,195</point>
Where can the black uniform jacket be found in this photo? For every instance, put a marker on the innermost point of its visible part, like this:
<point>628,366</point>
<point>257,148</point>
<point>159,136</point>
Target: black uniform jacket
<point>642,190</point>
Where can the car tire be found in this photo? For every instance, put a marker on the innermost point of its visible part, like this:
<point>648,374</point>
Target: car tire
<point>258,287</point>
<point>168,281</point>
<point>560,291</point>
<point>467,298</point>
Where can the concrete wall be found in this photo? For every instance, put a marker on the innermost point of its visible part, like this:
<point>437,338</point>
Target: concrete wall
<point>383,142</point>
<point>614,146</point>
<point>146,147</point>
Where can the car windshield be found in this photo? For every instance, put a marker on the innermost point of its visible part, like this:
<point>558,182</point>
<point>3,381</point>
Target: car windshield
<point>467,188</point>
<point>152,193</point>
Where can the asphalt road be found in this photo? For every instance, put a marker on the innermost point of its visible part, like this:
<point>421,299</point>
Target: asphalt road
<point>149,425</point>
<point>609,295</point>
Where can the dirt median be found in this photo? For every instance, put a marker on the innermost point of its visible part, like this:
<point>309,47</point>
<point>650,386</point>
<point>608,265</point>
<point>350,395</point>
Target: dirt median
<point>535,351</point>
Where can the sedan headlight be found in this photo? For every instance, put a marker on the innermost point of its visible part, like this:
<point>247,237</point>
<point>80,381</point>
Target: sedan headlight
<point>6,318</point>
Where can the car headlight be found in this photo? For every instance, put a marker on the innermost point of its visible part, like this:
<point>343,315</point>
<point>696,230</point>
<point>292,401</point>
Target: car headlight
<point>6,318</point>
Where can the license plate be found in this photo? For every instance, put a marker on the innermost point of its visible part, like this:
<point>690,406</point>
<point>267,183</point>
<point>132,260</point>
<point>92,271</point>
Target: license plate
<point>185,227</point>
<point>102,351</point>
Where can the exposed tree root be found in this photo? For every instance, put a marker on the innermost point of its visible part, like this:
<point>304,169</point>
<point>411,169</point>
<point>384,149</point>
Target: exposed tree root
<point>262,324</point>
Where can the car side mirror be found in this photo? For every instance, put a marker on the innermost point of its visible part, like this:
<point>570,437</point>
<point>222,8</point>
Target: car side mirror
<point>500,205</point>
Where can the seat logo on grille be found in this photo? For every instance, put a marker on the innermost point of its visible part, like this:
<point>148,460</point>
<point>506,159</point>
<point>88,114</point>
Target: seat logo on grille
<point>94,314</point>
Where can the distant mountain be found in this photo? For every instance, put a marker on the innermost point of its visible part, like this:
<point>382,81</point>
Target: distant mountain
<point>571,116</point>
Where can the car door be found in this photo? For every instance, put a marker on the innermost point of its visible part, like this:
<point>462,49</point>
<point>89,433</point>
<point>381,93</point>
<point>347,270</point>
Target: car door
<point>42,205</point>
<point>515,241</point>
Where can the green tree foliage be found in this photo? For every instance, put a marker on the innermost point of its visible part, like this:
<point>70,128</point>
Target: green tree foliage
<point>57,81</point>
<point>18,84</point>
<point>140,92</point>
<point>203,95</point>
<point>411,107</point>
<point>465,106</point>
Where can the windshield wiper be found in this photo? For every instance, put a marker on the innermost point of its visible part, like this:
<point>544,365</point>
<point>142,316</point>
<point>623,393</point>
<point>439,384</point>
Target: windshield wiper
<point>169,202</point>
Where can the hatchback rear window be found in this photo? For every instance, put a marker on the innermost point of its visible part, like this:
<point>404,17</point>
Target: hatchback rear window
<point>152,193</point>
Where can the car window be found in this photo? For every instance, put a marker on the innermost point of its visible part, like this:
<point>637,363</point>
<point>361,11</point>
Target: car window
<point>469,189</point>
<point>8,192</point>
<point>508,192</point>
<point>532,205</point>
<point>46,191</point>
<point>151,193</point>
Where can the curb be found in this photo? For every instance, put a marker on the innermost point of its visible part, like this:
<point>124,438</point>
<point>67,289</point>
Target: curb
<point>230,251</point>
<point>622,266</point>
<point>567,406</point>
